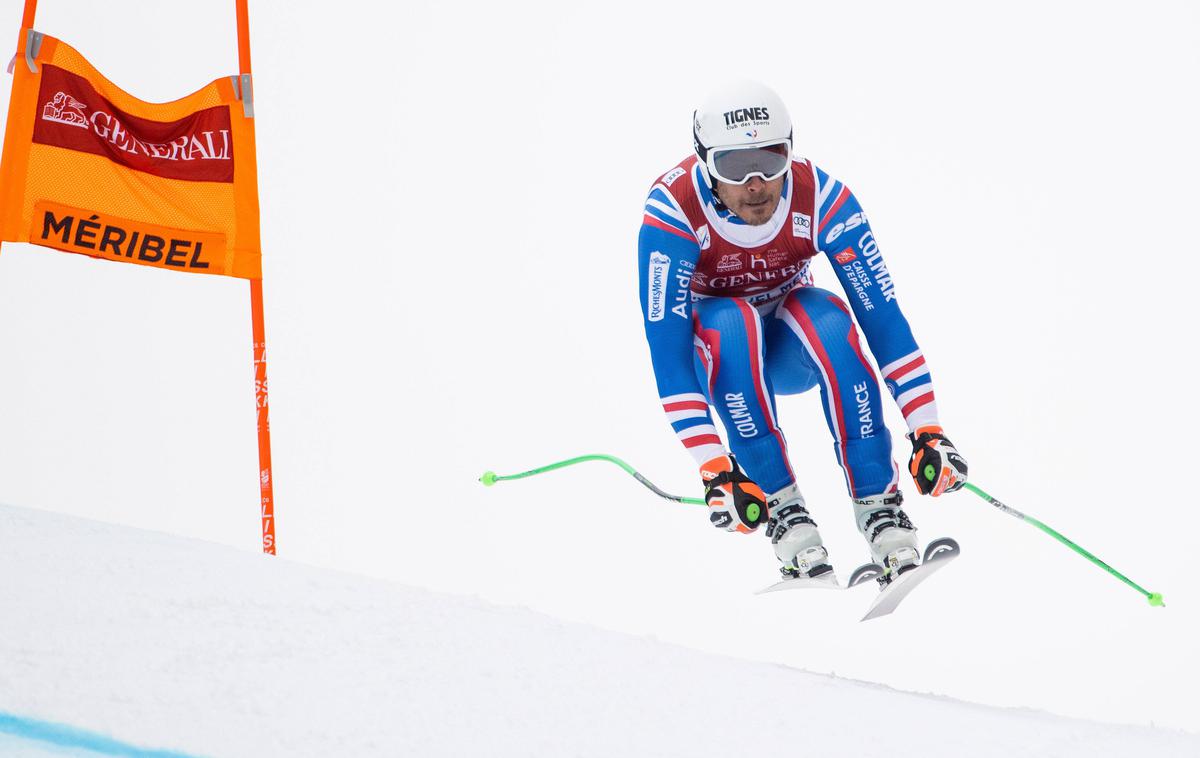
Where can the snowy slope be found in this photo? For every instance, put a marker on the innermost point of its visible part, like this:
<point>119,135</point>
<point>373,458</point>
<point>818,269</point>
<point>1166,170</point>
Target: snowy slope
<point>184,645</point>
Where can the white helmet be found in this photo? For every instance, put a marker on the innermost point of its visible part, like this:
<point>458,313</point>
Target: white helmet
<point>743,130</point>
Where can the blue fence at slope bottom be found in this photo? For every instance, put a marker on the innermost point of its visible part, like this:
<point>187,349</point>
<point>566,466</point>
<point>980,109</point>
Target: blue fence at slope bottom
<point>61,735</point>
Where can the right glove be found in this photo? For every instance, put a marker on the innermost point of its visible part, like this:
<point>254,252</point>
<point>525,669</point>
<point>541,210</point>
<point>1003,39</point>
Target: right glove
<point>735,503</point>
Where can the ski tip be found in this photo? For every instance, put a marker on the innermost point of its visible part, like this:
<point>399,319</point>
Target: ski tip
<point>1156,600</point>
<point>488,478</point>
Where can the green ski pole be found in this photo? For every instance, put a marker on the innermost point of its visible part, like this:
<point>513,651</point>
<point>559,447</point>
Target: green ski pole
<point>1155,598</point>
<point>491,477</point>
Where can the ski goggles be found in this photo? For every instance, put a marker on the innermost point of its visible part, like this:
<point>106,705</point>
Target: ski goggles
<point>738,165</point>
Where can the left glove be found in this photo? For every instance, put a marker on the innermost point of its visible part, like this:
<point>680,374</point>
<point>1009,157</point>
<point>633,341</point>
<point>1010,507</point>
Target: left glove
<point>936,467</point>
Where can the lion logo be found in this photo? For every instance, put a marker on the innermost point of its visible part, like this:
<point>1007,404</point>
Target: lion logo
<point>65,110</point>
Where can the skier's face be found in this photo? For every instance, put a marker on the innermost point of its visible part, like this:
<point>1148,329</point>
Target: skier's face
<point>755,201</point>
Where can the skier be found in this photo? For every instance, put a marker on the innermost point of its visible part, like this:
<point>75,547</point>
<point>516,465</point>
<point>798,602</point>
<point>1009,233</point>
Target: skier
<point>732,319</point>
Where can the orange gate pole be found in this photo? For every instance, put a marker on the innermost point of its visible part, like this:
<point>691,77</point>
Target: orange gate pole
<point>266,481</point>
<point>30,12</point>
<point>27,17</point>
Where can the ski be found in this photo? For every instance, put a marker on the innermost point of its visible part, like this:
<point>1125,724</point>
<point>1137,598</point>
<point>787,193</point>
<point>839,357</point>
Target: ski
<point>937,554</point>
<point>862,575</point>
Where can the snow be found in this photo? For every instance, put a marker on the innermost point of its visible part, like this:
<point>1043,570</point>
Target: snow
<point>205,649</point>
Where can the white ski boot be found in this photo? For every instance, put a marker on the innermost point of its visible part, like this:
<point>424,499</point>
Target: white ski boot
<point>891,536</point>
<point>795,537</point>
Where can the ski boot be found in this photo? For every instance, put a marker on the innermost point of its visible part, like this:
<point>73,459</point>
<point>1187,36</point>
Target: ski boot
<point>890,534</point>
<point>795,538</point>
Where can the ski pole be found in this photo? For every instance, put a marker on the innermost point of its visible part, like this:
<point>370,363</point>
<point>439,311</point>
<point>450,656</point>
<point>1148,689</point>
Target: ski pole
<point>491,477</point>
<point>1155,598</point>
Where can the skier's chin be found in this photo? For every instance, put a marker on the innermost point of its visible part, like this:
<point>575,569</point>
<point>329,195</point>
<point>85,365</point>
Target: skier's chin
<point>755,201</point>
<point>757,213</point>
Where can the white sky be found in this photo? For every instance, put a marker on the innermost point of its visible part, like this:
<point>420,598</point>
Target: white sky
<point>450,199</point>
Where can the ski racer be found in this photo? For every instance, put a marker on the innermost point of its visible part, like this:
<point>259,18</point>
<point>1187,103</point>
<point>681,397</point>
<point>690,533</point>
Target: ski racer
<point>733,319</point>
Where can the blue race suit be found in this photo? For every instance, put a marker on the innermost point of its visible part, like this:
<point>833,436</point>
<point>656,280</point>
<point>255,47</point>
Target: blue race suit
<point>732,318</point>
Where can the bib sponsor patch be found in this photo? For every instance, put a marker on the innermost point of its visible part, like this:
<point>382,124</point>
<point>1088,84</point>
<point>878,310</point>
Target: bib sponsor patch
<point>801,225</point>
